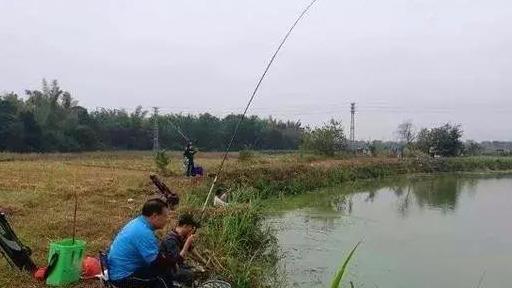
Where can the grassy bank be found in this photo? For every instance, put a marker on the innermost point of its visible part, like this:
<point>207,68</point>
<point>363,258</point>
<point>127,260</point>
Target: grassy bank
<point>263,182</point>
<point>37,192</point>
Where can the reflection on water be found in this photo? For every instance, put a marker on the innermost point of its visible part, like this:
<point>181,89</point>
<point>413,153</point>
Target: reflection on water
<point>432,192</point>
<point>441,231</point>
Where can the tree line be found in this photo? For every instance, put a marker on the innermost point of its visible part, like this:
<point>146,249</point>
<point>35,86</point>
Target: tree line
<point>50,120</point>
<point>444,141</point>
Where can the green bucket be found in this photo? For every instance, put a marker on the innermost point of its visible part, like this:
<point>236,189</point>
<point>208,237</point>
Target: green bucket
<point>65,262</point>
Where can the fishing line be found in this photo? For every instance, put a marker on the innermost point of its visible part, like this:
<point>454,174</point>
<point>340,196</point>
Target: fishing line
<point>221,166</point>
<point>179,130</point>
<point>481,280</point>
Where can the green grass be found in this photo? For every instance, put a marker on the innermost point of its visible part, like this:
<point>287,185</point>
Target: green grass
<point>243,246</point>
<point>338,277</point>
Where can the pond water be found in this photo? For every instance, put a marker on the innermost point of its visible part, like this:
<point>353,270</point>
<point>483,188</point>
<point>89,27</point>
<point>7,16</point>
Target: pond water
<point>432,231</point>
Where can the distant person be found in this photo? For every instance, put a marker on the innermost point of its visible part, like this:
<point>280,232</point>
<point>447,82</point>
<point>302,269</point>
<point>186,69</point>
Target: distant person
<point>189,155</point>
<point>133,258</point>
<point>176,246</point>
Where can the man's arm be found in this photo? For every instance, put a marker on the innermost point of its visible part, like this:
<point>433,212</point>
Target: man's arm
<point>147,247</point>
<point>187,245</point>
<point>170,251</point>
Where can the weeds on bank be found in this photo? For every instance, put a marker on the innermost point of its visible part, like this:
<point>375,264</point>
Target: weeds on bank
<point>235,239</point>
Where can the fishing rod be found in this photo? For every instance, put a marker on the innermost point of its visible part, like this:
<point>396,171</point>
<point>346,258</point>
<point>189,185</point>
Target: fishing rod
<point>178,129</point>
<point>221,166</point>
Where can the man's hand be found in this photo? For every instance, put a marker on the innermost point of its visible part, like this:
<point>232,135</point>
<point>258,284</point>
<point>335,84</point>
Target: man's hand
<point>187,245</point>
<point>191,238</point>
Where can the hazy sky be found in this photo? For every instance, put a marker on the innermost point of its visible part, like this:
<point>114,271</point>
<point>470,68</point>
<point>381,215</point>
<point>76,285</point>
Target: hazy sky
<point>431,61</point>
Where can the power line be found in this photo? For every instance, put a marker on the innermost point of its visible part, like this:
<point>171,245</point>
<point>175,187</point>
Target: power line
<point>311,109</point>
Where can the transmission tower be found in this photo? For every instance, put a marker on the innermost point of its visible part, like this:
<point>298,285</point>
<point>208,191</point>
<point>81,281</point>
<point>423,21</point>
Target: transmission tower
<point>156,142</point>
<point>352,124</point>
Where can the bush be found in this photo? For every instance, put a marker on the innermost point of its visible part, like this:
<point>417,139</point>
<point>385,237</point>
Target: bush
<point>162,162</point>
<point>326,140</point>
<point>443,141</point>
<point>243,244</point>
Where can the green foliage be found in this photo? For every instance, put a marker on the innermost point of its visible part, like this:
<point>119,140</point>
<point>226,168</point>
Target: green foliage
<point>378,147</point>
<point>50,120</point>
<point>326,140</point>
<point>471,148</point>
<point>243,243</point>
<point>443,141</point>
<point>336,281</point>
<point>162,162</point>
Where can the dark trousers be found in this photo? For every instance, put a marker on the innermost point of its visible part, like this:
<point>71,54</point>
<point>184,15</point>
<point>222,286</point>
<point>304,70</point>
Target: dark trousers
<point>184,276</point>
<point>190,168</point>
<point>144,279</point>
<point>147,279</point>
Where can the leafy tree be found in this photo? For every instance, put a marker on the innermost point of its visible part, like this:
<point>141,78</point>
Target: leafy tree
<point>50,119</point>
<point>443,141</point>
<point>10,129</point>
<point>472,148</point>
<point>31,132</point>
<point>326,140</point>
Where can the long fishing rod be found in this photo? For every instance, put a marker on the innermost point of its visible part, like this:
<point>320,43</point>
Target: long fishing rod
<point>221,166</point>
<point>178,129</point>
<point>74,216</point>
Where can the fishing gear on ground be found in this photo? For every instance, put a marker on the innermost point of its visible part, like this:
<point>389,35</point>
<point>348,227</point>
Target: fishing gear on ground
<point>16,253</point>
<point>65,257</point>
<point>171,198</point>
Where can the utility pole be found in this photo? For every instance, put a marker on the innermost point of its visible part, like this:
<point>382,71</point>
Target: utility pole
<point>352,125</point>
<point>156,142</point>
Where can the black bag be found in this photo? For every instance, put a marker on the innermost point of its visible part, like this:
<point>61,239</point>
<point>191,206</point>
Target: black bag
<point>16,253</point>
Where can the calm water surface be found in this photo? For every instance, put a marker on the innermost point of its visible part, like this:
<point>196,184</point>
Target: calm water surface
<point>441,231</point>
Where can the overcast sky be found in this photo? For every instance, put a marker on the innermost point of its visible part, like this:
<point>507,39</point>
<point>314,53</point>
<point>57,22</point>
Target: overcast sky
<point>430,61</point>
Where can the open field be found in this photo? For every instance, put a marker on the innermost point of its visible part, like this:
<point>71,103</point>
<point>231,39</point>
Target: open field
<point>37,192</point>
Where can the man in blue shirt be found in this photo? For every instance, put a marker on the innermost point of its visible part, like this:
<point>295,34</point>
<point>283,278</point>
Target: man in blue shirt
<point>134,254</point>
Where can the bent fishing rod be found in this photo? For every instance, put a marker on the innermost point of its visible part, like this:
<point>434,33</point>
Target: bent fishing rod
<point>262,77</point>
<point>178,129</point>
